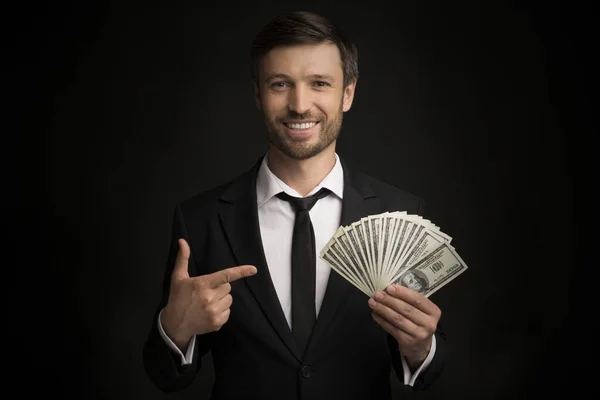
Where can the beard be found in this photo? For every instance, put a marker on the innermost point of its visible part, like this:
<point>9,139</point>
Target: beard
<point>300,148</point>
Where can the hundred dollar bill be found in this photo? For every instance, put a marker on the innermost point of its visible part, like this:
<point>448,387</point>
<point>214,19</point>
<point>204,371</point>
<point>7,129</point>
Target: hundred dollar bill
<point>402,240</point>
<point>354,241</point>
<point>374,224</point>
<point>369,241</point>
<point>358,229</point>
<point>330,257</point>
<point>424,245</point>
<point>433,271</point>
<point>351,260</point>
<point>389,232</point>
<point>396,244</point>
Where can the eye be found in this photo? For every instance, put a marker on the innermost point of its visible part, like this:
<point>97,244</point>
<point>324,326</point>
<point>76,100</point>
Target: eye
<point>278,85</point>
<point>321,84</point>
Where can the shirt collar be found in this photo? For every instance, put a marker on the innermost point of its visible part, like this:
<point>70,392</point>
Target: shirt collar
<point>268,185</point>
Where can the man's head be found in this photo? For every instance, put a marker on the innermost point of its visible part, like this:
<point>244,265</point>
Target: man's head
<point>415,280</point>
<point>305,72</point>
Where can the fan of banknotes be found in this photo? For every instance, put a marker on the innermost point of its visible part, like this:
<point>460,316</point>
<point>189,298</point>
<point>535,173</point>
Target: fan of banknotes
<point>393,248</point>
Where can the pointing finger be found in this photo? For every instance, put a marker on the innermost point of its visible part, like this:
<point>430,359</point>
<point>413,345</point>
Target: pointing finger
<point>230,274</point>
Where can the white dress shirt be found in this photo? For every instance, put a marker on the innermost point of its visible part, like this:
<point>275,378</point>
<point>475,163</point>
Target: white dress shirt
<point>276,218</point>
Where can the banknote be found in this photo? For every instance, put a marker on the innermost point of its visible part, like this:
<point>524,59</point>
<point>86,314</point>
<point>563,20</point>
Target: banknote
<point>393,247</point>
<point>432,272</point>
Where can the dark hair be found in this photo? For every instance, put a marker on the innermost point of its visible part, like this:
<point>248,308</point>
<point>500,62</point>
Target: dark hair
<point>302,27</point>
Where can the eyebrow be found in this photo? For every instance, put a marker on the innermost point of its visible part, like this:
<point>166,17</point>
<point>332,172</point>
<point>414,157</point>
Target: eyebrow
<point>323,77</point>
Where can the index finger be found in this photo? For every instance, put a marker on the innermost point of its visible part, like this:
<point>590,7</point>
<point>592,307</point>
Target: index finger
<point>413,298</point>
<point>229,275</point>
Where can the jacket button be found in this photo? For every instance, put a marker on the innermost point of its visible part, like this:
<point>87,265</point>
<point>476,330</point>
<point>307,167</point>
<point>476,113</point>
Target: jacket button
<point>306,372</point>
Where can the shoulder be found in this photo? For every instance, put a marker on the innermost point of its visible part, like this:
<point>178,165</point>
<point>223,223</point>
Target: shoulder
<point>204,199</point>
<point>210,201</point>
<point>391,196</point>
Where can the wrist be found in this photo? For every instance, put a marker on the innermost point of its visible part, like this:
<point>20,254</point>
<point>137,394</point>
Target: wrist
<point>173,329</point>
<point>415,357</point>
<point>414,361</point>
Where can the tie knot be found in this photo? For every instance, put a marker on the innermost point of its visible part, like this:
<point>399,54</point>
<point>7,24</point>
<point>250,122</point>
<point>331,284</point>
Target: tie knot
<point>304,203</point>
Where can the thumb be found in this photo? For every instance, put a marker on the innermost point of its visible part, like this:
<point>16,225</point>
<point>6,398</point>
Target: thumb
<point>180,270</point>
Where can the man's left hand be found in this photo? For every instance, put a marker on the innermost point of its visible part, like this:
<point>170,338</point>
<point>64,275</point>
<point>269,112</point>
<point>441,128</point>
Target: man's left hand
<point>409,317</point>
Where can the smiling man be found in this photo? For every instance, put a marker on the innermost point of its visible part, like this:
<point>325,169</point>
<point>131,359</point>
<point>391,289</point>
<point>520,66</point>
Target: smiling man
<point>243,279</point>
<point>303,97</point>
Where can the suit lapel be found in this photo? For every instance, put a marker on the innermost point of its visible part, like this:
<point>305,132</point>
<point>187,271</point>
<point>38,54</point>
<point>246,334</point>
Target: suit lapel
<point>241,225</point>
<point>359,201</point>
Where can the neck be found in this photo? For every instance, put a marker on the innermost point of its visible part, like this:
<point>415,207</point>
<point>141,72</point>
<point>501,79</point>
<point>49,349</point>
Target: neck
<point>301,175</point>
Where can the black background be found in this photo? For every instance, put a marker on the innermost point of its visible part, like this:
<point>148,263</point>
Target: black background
<point>124,109</point>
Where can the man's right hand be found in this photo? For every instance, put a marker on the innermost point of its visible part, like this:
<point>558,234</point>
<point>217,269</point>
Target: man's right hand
<point>198,305</point>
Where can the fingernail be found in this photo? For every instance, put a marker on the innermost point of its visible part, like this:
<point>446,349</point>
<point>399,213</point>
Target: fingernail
<point>391,289</point>
<point>378,296</point>
<point>372,302</point>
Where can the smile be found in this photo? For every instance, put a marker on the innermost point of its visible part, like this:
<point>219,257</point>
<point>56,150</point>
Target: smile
<point>300,126</point>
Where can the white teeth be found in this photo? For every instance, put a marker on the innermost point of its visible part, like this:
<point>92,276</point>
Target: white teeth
<point>302,126</point>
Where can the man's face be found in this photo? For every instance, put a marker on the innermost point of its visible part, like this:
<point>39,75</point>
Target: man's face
<point>410,281</point>
<point>300,91</point>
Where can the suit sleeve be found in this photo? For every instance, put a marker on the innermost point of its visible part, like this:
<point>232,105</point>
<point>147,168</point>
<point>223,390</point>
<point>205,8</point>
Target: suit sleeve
<point>428,375</point>
<point>162,365</point>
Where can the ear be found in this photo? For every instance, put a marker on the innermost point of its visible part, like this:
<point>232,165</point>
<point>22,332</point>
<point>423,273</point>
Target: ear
<point>257,97</point>
<point>349,95</point>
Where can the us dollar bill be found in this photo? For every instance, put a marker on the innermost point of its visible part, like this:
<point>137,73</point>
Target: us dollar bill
<point>433,271</point>
<point>393,247</point>
<point>330,257</point>
<point>352,259</point>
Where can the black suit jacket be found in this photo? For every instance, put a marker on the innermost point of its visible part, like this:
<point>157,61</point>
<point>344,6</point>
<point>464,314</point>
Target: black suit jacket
<point>348,357</point>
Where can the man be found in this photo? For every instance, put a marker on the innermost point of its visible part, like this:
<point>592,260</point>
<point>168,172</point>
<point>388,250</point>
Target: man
<point>233,279</point>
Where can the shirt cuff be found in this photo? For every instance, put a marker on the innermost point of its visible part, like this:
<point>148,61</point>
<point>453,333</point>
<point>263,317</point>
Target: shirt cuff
<point>185,359</point>
<point>410,380</point>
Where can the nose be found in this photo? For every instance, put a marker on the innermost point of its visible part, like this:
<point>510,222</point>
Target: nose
<point>299,100</point>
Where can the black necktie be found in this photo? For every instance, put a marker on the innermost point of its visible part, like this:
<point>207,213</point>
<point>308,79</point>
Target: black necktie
<point>303,266</point>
